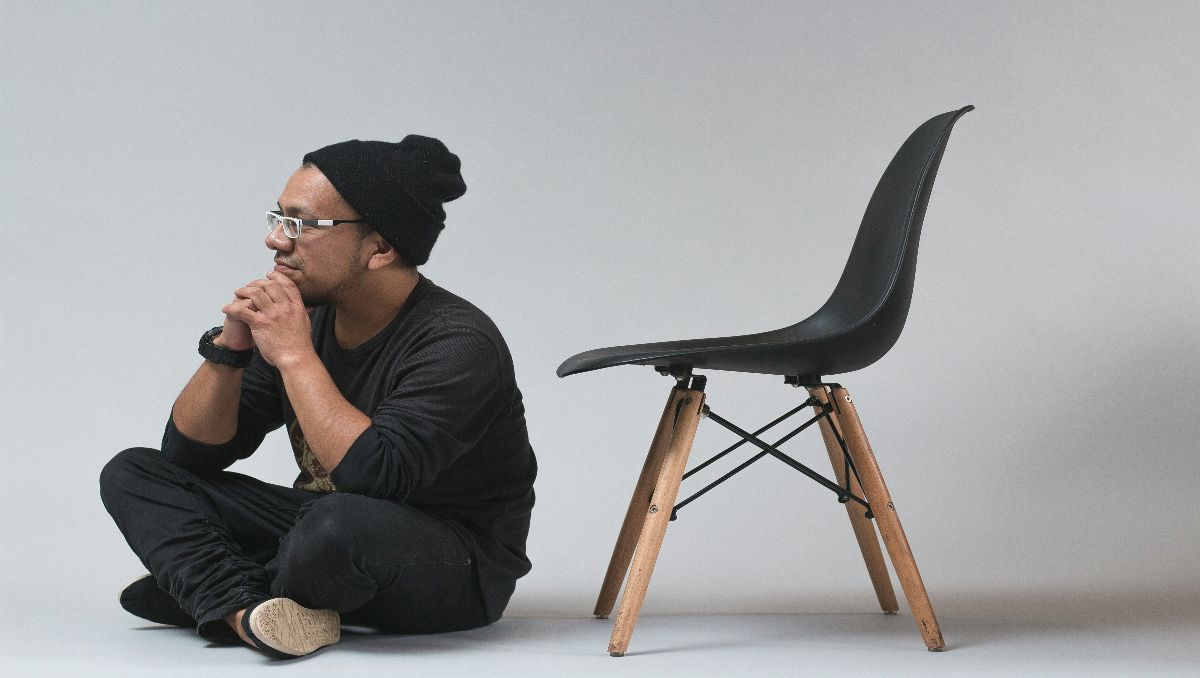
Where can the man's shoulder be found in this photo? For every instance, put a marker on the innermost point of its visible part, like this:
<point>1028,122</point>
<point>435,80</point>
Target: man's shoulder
<point>456,329</point>
<point>440,310</point>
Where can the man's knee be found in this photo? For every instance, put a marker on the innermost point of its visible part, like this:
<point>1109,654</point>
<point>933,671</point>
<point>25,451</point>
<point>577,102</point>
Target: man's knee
<point>120,470</point>
<point>330,526</point>
<point>323,543</point>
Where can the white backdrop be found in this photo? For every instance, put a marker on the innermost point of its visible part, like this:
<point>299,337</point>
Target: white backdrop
<point>643,172</point>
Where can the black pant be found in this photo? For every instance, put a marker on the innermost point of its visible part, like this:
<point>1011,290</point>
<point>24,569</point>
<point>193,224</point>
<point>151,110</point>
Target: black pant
<point>219,542</point>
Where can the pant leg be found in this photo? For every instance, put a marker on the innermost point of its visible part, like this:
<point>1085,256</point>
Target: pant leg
<point>385,563</point>
<point>206,538</point>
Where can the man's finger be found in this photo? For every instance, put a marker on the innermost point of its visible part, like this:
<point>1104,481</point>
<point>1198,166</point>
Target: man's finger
<point>286,285</point>
<point>240,312</point>
<point>249,284</point>
<point>259,295</point>
<point>277,294</point>
<point>246,290</point>
<point>265,285</point>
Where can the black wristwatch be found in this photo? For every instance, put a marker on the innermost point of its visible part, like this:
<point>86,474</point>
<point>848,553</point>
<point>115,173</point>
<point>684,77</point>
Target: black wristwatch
<point>222,356</point>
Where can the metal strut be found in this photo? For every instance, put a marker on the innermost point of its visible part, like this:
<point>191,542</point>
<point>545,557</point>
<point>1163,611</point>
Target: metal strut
<point>848,461</point>
<point>808,403</point>
<point>844,494</point>
<point>743,465</point>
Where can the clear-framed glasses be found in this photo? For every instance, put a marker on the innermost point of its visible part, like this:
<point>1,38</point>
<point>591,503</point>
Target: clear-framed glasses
<point>292,226</point>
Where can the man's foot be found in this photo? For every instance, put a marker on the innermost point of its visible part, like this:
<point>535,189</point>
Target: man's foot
<point>283,628</point>
<point>142,598</point>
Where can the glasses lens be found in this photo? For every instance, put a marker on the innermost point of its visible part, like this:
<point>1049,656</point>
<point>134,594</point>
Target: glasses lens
<point>291,227</point>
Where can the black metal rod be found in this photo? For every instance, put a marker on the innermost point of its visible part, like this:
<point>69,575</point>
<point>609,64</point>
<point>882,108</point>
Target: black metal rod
<point>846,470</point>
<point>743,465</point>
<point>850,467</point>
<point>846,455</point>
<point>718,481</point>
<point>770,449</point>
<point>739,443</point>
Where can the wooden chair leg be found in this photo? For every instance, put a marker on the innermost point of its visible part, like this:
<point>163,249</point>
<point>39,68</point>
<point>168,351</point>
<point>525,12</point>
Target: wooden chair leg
<point>685,419</point>
<point>864,531</point>
<point>887,519</point>
<point>635,515</point>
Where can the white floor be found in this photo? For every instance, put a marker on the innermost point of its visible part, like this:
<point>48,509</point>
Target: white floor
<point>1130,635</point>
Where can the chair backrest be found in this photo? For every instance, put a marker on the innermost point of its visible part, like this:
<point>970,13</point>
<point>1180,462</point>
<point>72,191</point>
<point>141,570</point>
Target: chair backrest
<point>871,300</point>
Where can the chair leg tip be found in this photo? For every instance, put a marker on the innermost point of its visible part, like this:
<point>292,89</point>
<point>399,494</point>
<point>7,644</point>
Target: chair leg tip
<point>890,613</point>
<point>616,654</point>
<point>601,616</point>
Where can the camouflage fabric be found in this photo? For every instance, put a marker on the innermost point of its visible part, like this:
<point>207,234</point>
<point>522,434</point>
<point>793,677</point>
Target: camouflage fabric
<point>314,476</point>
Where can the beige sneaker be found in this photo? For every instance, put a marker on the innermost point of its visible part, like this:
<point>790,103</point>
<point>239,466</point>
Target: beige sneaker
<point>283,628</point>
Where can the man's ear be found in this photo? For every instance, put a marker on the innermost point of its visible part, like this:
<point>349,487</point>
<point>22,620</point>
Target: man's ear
<point>380,251</point>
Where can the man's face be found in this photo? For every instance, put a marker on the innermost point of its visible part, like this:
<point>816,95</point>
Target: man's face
<point>324,262</point>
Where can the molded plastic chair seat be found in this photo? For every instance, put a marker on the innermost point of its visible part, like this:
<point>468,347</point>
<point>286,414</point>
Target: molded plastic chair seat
<point>863,317</point>
<point>812,347</point>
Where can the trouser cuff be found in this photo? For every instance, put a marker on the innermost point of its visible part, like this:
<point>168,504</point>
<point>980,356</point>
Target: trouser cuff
<point>213,628</point>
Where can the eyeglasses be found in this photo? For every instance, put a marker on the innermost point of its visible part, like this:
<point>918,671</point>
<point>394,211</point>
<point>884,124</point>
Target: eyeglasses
<point>292,225</point>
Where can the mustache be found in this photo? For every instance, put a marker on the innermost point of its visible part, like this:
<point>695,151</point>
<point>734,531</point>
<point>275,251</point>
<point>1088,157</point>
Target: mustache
<point>291,263</point>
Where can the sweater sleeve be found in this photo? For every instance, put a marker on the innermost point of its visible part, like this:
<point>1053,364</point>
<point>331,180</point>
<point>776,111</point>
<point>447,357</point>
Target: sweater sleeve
<point>442,399</point>
<point>260,411</point>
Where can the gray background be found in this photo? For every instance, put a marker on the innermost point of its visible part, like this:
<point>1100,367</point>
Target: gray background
<point>640,172</point>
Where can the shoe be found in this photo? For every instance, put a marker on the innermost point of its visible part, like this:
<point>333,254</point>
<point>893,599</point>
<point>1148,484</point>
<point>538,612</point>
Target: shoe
<point>283,628</point>
<point>142,598</point>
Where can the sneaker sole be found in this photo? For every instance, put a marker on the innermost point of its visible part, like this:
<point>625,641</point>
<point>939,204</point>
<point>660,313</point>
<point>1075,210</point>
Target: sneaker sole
<point>287,626</point>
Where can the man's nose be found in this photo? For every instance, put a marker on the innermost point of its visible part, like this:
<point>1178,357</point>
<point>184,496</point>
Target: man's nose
<point>276,240</point>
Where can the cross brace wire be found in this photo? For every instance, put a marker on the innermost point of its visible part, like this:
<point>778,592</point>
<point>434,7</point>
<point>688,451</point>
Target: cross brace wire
<point>844,494</point>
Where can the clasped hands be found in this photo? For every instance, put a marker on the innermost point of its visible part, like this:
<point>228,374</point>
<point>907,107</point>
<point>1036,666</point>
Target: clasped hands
<point>273,312</point>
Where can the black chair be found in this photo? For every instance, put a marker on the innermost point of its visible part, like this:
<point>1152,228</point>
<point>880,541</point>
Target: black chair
<point>859,323</point>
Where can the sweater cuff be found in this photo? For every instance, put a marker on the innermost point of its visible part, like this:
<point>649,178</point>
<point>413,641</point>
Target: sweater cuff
<point>196,456</point>
<point>363,470</point>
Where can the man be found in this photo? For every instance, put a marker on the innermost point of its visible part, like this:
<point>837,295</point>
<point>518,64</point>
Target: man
<point>412,505</point>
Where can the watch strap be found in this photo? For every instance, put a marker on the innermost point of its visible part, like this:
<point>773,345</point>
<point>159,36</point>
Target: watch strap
<point>222,356</point>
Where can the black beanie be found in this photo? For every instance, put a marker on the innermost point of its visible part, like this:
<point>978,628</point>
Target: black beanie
<point>398,188</point>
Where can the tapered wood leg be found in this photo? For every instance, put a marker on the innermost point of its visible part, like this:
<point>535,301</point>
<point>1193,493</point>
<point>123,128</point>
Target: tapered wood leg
<point>658,514</point>
<point>635,515</point>
<point>864,531</point>
<point>887,519</point>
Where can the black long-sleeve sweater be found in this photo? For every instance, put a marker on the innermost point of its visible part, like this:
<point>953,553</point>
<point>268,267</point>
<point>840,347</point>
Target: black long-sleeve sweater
<point>447,430</point>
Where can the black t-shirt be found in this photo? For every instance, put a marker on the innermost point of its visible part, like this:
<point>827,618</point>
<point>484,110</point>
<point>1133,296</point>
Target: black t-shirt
<point>447,430</point>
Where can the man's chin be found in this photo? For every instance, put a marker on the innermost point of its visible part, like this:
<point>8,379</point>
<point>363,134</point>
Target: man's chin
<point>313,299</point>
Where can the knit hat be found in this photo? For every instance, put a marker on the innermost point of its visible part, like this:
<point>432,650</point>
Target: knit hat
<point>398,188</point>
